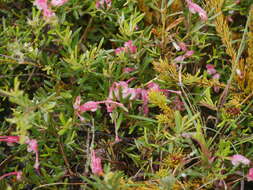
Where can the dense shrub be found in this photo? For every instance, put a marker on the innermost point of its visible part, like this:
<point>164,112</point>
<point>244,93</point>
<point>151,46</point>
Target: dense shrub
<point>127,94</point>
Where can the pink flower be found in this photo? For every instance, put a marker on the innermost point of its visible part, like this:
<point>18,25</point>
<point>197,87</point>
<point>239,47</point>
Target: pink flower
<point>77,103</point>
<point>18,174</point>
<point>194,8</point>
<point>189,53</point>
<point>103,4</point>
<point>128,69</point>
<point>121,88</point>
<point>10,139</point>
<point>33,147</point>
<point>210,69</point>
<point>89,106</point>
<point>119,50</point>
<point>250,175</point>
<point>93,106</point>
<point>144,97</point>
<point>216,89</point>
<point>216,76</point>
<point>178,104</point>
<point>47,13</point>
<point>98,4</point>
<point>239,159</point>
<point>182,57</point>
<point>96,166</point>
<point>58,2</point>
<point>41,4</point>
<point>179,58</point>
<point>129,45</point>
<point>154,86</point>
<point>115,104</point>
<point>76,106</point>
<point>237,1</point>
<point>108,3</point>
<point>182,46</point>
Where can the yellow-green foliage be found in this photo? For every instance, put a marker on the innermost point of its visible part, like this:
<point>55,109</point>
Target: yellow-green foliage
<point>223,29</point>
<point>249,73</point>
<point>167,72</point>
<point>174,160</point>
<point>160,100</point>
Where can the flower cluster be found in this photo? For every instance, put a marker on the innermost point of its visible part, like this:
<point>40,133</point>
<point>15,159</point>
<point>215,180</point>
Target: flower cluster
<point>96,166</point>
<point>128,48</point>
<point>18,174</point>
<point>216,76</point>
<point>240,159</point>
<point>32,147</point>
<point>103,4</point>
<point>128,69</point>
<point>93,106</point>
<point>46,7</point>
<point>188,53</point>
<point>120,90</point>
<point>195,8</point>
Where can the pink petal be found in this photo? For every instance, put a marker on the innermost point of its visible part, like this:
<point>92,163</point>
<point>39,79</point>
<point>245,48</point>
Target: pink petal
<point>179,58</point>
<point>77,103</point>
<point>98,4</point>
<point>210,69</point>
<point>89,106</point>
<point>237,1</point>
<point>216,76</point>
<point>47,13</point>
<point>239,159</point>
<point>189,53</point>
<point>178,104</point>
<point>103,4</point>
<point>144,97</point>
<point>195,8</point>
<point>153,86</point>
<point>119,50</point>
<point>182,46</point>
<point>130,46</point>
<point>58,2</point>
<point>96,166</point>
<point>216,89</point>
<point>109,103</point>
<point>250,175</point>
<point>18,174</point>
<point>41,4</point>
<point>128,69</point>
<point>121,87</point>
<point>133,49</point>
<point>10,139</point>
<point>33,147</point>
<point>108,3</point>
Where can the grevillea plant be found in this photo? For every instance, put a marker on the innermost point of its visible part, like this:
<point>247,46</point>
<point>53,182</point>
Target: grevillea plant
<point>126,95</point>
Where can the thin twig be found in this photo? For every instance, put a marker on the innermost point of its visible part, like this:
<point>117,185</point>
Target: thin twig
<point>65,158</point>
<point>84,36</point>
<point>53,184</point>
<point>87,151</point>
